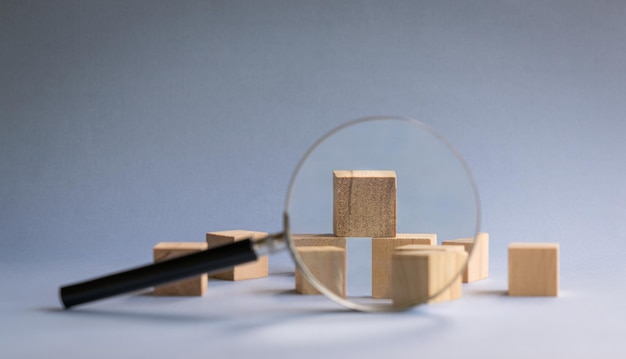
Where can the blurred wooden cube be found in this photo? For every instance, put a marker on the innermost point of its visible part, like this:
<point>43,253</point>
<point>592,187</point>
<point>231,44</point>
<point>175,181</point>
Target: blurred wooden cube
<point>413,274</point>
<point>457,262</point>
<point>256,269</point>
<point>382,250</point>
<point>419,275</point>
<point>328,266</point>
<point>318,240</point>
<point>195,286</point>
<point>534,269</point>
<point>364,204</point>
<point>478,265</point>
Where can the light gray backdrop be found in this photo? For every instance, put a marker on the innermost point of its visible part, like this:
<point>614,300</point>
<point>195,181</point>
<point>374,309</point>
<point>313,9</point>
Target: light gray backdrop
<point>127,123</point>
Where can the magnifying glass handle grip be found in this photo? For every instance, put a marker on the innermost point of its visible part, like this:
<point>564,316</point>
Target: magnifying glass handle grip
<point>207,261</point>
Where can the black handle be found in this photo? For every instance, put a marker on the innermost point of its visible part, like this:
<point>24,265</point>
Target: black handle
<point>208,261</point>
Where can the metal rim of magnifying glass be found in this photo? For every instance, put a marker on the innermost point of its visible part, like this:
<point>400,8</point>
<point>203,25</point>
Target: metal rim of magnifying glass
<point>294,253</point>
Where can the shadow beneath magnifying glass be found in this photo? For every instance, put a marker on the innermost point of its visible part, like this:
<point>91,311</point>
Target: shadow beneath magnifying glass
<point>128,315</point>
<point>283,274</point>
<point>489,292</point>
<point>286,308</point>
<point>420,320</point>
<point>395,327</point>
<point>250,317</point>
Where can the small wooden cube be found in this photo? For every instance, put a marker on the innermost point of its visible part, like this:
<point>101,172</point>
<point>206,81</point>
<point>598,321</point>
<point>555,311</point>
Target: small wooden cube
<point>534,269</point>
<point>478,265</point>
<point>256,269</point>
<point>195,286</point>
<point>382,249</point>
<point>328,266</point>
<point>419,275</point>
<point>454,291</point>
<point>364,204</point>
<point>318,240</point>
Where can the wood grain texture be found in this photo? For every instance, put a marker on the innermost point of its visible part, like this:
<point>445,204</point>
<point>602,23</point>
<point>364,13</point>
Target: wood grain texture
<point>418,275</point>
<point>382,250</point>
<point>195,286</point>
<point>456,288</point>
<point>478,264</point>
<point>257,269</point>
<point>318,240</point>
<point>416,238</point>
<point>328,266</point>
<point>534,269</point>
<point>454,268</point>
<point>364,204</point>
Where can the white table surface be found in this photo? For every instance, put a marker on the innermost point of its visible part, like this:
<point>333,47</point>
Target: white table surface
<point>265,318</point>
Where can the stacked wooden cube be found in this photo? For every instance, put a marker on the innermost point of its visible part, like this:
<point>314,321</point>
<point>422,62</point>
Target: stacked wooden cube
<point>364,206</point>
<point>407,268</point>
<point>325,258</point>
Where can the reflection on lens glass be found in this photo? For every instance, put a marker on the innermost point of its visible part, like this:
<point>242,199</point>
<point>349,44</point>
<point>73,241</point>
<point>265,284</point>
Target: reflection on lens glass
<point>368,209</point>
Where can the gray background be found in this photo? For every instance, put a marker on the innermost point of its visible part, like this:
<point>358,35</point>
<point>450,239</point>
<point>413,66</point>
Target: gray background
<point>128,123</point>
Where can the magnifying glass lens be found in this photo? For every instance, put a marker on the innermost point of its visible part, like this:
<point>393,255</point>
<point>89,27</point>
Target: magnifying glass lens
<point>368,208</point>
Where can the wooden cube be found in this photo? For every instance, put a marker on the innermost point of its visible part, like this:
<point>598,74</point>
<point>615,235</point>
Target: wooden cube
<point>256,269</point>
<point>534,269</point>
<point>328,266</point>
<point>418,275</point>
<point>364,204</point>
<point>318,240</point>
<point>195,286</point>
<point>478,265</point>
<point>454,291</point>
<point>382,249</point>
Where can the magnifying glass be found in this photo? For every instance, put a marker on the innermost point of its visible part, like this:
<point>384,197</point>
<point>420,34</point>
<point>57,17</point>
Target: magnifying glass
<point>365,209</point>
